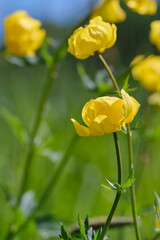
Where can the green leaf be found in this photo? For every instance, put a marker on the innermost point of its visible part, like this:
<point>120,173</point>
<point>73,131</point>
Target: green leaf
<point>97,236</point>
<point>85,79</point>
<point>16,126</point>
<point>47,227</point>
<point>28,203</point>
<point>64,235</point>
<point>82,228</point>
<point>44,51</point>
<point>126,84</point>
<point>129,180</point>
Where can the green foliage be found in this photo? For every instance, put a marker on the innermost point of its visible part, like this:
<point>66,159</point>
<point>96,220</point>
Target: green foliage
<point>121,188</point>
<point>64,235</point>
<point>86,232</point>
<point>101,84</point>
<point>16,126</point>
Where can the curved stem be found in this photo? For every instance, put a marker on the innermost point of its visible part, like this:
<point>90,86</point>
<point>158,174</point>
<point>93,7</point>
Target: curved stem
<point>132,188</point>
<point>109,72</point>
<point>114,206</point>
<point>29,157</point>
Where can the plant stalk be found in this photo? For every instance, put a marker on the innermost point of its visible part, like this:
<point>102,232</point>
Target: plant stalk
<point>109,72</point>
<point>38,118</point>
<point>114,206</point>
<point>132,188</point>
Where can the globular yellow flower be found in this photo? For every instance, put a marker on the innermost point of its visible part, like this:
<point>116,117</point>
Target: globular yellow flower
<point>110,11</point>
<point>144,7</point>
<point>147,71</point>
<point>23,35</point>
<point>106,115</point>
<point>155,33</point>
<point>96,36</point>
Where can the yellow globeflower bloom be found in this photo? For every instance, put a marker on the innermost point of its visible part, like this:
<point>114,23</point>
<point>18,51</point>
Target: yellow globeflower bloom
<point>96,36</point>
<point>148,7</point>
<point>147,71</point>
<point>155,33</point>
<point>23,35</point>
<point>110,11</point>
<point>106,115</point>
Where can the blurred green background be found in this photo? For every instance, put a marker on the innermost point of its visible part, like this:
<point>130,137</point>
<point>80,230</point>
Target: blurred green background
<point>79,189</point>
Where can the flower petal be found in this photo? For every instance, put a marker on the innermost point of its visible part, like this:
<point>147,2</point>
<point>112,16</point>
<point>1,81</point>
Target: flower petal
<point>81,130</point>
<point>130,107</point>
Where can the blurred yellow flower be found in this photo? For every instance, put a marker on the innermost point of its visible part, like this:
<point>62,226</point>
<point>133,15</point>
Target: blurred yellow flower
<point>147,71</point>
<point>155,33</point>
<point>157,225</point>
<point>23,35</point>
<point>96,36</point>
<point>106,115</point>
<point>110,11</point>
<point>148,7</point>
<point>154,99</point>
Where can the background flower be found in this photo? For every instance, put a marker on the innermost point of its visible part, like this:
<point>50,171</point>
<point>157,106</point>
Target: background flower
<point>23,35</point>
<point>110,11</point>
<point>155,33</point>
<point>147,71</point>
<point>142,6</point>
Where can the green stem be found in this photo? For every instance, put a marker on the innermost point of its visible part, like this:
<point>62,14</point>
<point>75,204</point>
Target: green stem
<point>29,157</point>
<point>50,186</point>
<point>132,188</point>
<point>114,206</point>
<point>109,72</point>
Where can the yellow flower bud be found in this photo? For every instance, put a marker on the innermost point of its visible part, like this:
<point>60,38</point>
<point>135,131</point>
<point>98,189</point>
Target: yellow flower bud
<point>148,7</point>
<point>23,35</point>
<point>106,115</point>
<point>110,11</point>
<point>147,71</point>
<point>155,33</point>
<point>96,36</point>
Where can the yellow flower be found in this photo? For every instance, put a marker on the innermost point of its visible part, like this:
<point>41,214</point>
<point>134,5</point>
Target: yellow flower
<point>147,71</point>
<point>96,36</point>
<point>110,11</point>
<point>155,33</point>
<point>23,35</point>
<point>106,115</point>
<point>148,7</point>
<point>157,225</point>
<point>154,99</point>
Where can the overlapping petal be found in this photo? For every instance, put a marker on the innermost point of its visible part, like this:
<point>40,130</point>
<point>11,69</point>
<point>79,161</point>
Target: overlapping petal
<point>23,35</point>
<point>144,7</point>
<point>96,36</point>
<point>106,115</point>
<point>154,35</point>
<point>110,11</point>
<point>147,71</point>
